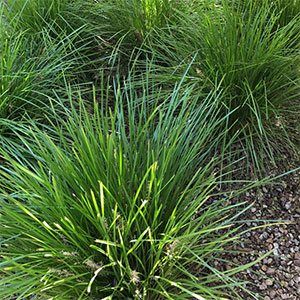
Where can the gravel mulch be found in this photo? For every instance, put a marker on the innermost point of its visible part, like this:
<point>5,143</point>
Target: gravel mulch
<point>277,276</point>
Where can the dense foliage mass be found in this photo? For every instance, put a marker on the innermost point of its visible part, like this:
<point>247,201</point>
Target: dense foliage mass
<point>120,126</point>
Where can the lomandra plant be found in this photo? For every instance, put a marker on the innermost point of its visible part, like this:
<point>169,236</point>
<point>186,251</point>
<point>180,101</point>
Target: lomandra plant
<point>285,10</point>
<point>288,11</point>
<point>139,16</point>
<point>242,48</point>
<point>117,204</point>
<point>33,15</point>
<point>125,25</point>
<point>31,69</point>
<point>28,74</point>
<point>59,19</point>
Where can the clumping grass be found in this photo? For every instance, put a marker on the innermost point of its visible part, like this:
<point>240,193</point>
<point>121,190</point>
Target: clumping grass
<point>117,203</point>
<point>32,67</point>
<point>125,196</point>
<point>139,17</point>
<point>34,15</point>
<point>30,72</point>
<point>116,26</point>
<point>122,26</point>
<point>61,19</point>
<point>286,11</point>
<point>242,49</point>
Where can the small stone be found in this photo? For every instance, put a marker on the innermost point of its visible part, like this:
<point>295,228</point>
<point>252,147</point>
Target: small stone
<point>284,284</point>
<point>263,286</point>
<point>263,236</point>
<point>269,282</point>
<point>270,271</point>
<point>297,263</point>
<point>264,268</point>
<point>275,250</point>
<point>272,294</point>
<point>288,205</point>
<point>270,260</point>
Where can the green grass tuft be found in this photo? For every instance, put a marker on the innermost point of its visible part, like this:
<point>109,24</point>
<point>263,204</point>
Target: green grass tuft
<point>242,49</point>
<point>117,203</point>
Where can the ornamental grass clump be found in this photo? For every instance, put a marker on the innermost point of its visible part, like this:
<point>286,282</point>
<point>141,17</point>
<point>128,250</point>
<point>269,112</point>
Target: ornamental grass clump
<point>121,26</point>
<point>34,68</point>
<point>139,17</point>
<point>30,72</point>
<point>242,48</point>
<point>239,49</point>
<point>34,15</point>
<point>118,203</point>
<point>286,10</point>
